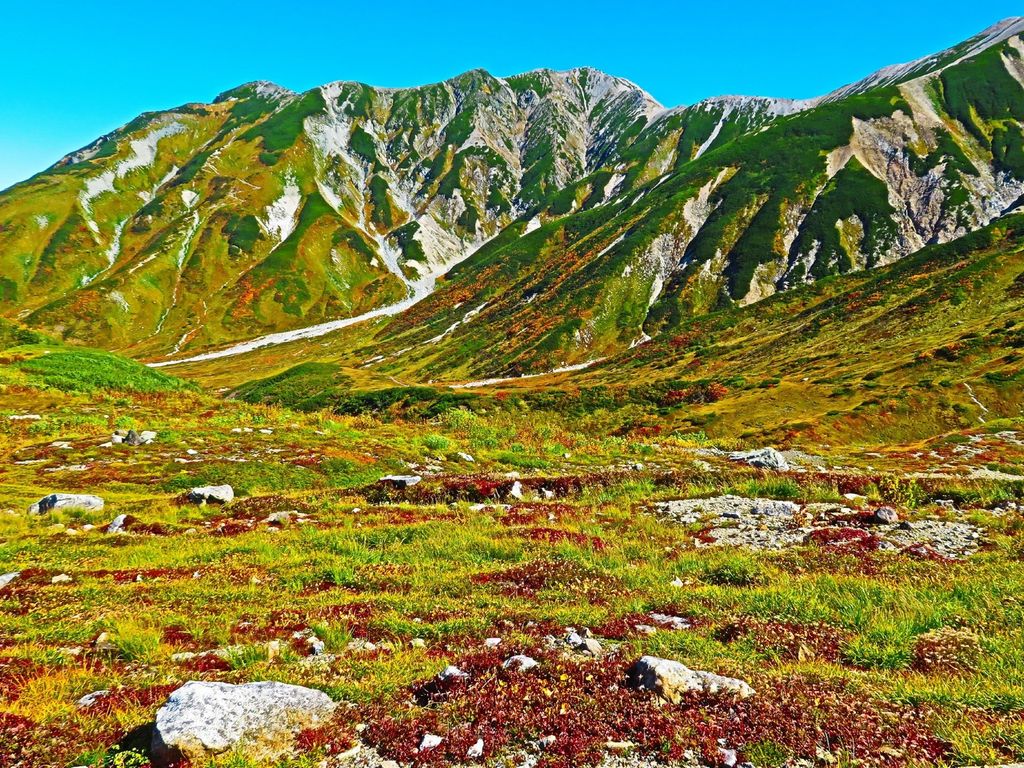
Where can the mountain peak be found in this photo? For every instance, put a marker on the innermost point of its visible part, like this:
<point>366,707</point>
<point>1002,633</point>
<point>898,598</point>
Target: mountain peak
<point>263,89</point>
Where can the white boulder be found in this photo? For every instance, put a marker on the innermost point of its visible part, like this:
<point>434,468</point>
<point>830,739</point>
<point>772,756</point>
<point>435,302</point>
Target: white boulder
<point>211,494</point>
<point>765,458</point>
<point>672,680</point>
<point>258,720</point>
<point>66,501</point>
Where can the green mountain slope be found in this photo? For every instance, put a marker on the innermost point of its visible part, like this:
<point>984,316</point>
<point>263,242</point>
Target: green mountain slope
<point>923,347</point>
<point>547,218</point>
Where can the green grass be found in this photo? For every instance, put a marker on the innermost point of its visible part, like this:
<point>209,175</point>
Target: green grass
<point>86,371</point>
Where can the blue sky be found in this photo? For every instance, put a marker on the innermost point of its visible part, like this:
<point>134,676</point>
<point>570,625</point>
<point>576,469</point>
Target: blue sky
<point>75,70</point>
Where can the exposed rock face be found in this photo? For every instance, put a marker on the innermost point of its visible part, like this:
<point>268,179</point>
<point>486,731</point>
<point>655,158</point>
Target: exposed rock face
<point>726,507</point>
<point>201,720</point>
<point>65,501</point>
<point>211,494</point>
<point>672,681</point>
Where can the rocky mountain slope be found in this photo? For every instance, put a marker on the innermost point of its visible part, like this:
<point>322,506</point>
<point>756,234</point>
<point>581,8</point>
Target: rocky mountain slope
<point>550,218</point>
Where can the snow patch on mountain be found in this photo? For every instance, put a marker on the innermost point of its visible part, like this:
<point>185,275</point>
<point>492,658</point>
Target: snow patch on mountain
<point>465,319</point>
<point>186,241</point>
<point>506,379</point>
<point>143,154</point>
<point>118,298</point>
<point>281,215</point>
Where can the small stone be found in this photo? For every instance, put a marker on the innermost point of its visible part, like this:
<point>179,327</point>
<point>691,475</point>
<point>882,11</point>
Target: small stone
<point>91,698</point>
<point>492,642</point>
<point>673,622</point>
<point>62,578</point>
<point>466,457</point>
<point>476,750</point>
<point>452,672</point>
<point>103,644</point>
<point>430,741</point>
<point>581,642</point>
<point>119,524</point>
<point>884,516</point>
<point>400,482</point>
<point>547,742</point>
<point>516,491</point>
<point>519,662</point>
<point>418,642</point>
<point>273,650</point>
<point>619,746</point>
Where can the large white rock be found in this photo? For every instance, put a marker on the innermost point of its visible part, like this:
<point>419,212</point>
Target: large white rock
<point>259,720</point>
<point>66,501</point>
<point>211,494</point>
<point>765,458</point>
<point>672,680</point>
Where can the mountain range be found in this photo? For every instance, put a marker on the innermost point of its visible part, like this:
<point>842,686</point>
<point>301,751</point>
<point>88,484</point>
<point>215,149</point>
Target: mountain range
<point>488,226</point>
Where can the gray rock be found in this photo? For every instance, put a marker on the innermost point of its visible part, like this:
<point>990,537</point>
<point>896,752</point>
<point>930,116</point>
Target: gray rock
<point>884,516</point>
<point>727,508</point>
<point>400,482</point>
<point>201,720</point>
<point>765,458</point>
<point>132,438</point>
<point>118,524</point>
<point>582,642</point>
<point>211,494</point>
<point>476,750</point>
<point>430,741</point>
<point>672,622</point>
<point>519,662</point>
<point>452,673</point>
<point>7,578</point>
<point>91,698</point>
<point>672,680</point>
<point>66,501</point>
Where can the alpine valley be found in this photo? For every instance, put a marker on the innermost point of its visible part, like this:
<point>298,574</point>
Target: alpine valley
<point>522,421</point>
